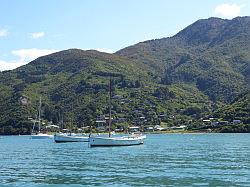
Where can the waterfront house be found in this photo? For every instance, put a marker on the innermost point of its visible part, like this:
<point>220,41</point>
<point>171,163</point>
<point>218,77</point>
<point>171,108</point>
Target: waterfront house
<point>150,129</point>
<point>223,123</point>
<point>101,125</point>
<point>214,123</point>
<point>134,129</point>
<point>236,121</point>
<point>158,128</point>
<point>181,127</point>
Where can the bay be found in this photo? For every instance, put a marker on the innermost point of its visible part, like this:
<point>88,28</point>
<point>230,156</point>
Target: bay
<point>164,160</point>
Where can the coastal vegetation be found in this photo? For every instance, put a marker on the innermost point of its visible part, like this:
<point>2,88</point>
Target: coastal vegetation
<point>199,74</point>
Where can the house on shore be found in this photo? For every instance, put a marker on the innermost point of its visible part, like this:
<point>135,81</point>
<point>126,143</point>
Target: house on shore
<point>181,127</point>
<point>133,129</point>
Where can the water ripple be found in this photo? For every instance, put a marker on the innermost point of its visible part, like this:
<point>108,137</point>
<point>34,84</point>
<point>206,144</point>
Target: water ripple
<point>164,160</point>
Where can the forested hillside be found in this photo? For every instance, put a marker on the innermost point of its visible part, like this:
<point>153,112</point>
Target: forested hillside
<point>212,54</point>
<point>171,80</point>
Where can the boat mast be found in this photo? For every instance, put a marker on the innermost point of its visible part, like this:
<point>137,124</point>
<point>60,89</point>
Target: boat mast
<point>110,94</point>
<point>62,122</point>
<point>39,115</point>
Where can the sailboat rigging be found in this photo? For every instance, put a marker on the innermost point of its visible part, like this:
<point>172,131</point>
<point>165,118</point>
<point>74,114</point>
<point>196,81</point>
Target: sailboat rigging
<point>39,134</point>
<point>110,97</point>
<point>115,141</point>
<point>68,136</point>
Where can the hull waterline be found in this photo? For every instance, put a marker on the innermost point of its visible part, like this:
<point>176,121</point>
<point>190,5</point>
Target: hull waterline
<point>66,138</point>
<point>115,141</point>
<point>41,136</point>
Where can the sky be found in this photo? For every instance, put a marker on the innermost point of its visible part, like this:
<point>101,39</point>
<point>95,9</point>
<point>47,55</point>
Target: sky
<point>33,28</point>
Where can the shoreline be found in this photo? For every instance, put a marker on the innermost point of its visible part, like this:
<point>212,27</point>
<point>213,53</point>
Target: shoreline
<point>148,133</point>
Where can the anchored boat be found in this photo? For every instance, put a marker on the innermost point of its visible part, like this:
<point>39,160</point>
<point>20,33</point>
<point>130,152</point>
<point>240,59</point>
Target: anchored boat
<point>65,137</point>
<point>116,141</point>
<point>134,139</point>
<point>39,134</point>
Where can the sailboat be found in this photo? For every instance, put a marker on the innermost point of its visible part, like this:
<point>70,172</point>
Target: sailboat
<point>70,137</point>
<point>134,139</point>
<point>67,136</point>
<point>39,134</point>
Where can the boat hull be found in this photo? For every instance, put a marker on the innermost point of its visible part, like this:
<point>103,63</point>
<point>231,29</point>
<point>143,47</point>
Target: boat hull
<point>41,136</point>
<point>58,138</point>
<point>115,141</point>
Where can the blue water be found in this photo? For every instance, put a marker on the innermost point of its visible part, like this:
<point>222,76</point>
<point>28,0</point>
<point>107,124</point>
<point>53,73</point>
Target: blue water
<point>164,160</point>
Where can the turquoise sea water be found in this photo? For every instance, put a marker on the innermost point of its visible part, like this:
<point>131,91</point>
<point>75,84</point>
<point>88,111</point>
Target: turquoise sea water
<point>164,160</point>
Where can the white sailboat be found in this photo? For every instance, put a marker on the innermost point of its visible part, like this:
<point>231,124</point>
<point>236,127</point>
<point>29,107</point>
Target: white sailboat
<point>116,141</point>
<point>67,136</point>
<point>134,139</point>
<point>70,137</point>
<point>39,134</point>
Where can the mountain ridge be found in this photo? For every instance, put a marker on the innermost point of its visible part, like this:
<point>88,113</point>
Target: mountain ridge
<point>229,58</point>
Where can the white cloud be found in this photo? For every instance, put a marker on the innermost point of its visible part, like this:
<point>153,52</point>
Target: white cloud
<point>228,10</point>
<point>4,65</point>
<point>24,56</point>
<point>27,55</point>
<point>3,32</point>
<point>31,54</point>
<point>36,35</point>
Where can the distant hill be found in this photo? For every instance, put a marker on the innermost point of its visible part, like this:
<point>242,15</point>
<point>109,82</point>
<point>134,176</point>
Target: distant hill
<point>69,83</point>
<point>213,54</point>
<point>173,80</point>
<point>239,109</point>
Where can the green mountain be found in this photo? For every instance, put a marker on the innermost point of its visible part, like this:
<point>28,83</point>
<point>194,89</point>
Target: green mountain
<point>172,80</point>
<point>72,82</point>
<point>213,54</point>
<point>239,109</point>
